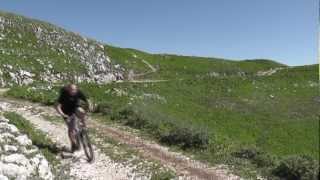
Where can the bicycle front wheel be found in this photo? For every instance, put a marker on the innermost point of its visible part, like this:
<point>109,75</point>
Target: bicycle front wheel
<point>86,144</point>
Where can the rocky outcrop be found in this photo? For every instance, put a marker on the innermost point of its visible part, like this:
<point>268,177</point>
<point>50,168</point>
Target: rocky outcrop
<point>19,159</point>
<point>32,50</point>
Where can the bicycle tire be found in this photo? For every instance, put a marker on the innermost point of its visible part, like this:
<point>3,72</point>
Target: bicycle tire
<point>86,144</point>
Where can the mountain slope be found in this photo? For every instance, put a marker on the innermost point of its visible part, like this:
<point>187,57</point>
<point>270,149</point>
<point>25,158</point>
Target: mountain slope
<point>251,114</point>
<point>34,50</point>
<point>177,67</point>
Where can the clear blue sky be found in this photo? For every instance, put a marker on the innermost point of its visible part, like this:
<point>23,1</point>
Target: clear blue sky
<point>283,30</point>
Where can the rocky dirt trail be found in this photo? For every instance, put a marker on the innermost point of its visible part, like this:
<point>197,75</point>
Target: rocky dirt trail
<point>104,167</point>
<point>181,164</point>
<point>153,69</point>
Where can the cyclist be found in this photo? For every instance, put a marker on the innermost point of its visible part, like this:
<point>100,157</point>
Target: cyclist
<point>68,104</point>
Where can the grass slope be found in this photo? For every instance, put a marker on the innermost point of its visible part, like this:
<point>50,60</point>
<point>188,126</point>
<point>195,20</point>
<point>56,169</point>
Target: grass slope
<point>221,104</point>
<point>277,114</point>
<point>21,49</point>
<point>177,67</point>
<point>45,50</point>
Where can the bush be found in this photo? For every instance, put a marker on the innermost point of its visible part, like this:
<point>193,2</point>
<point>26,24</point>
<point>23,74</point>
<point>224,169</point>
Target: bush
<point>256,156</point>
<point>166,175</point>
<point>297,168</point>
<point>167,130</point>
<point>131,117</point>
<point>186,137</point>
<point>103,108</point>
<point>247,153</point>
<point>41,93</point>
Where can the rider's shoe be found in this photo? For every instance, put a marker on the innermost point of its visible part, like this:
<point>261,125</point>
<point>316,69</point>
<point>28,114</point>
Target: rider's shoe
<point>74,148</point>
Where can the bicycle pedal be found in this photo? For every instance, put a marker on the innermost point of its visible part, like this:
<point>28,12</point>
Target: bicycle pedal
<point>66,155</point>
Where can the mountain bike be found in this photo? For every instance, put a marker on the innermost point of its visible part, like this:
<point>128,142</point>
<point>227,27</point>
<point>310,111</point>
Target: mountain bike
<point>83,138</point>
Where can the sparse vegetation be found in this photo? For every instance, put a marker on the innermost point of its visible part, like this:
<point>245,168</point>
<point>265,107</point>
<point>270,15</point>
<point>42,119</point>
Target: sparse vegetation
<point>256,156</point>
<point>277,113</point>
<point>297,168</point>
<point>168,131</point>
<point>167,175</point>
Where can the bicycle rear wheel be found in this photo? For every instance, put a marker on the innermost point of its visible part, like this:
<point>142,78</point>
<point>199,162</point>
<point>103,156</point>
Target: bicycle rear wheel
<point>86,144</point>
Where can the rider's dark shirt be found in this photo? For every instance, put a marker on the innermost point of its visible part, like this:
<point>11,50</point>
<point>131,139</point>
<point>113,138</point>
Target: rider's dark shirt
<point>69,103</point>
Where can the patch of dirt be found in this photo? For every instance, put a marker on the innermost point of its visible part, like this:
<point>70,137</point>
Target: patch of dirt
<point>269,72</point>
<point>3,90</point>
<point>153,69</point>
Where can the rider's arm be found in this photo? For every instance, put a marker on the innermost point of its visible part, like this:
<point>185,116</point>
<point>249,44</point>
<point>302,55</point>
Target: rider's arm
<point>83,97</point>
<point>59,110</point>
<point>58,106</point>
<point>86,100</point>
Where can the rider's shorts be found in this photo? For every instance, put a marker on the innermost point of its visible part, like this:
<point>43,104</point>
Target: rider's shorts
<point>80,113</point>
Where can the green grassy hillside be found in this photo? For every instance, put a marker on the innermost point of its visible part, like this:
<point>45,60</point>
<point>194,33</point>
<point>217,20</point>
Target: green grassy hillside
<point>178,67</point>
<point>32,50</point>
<point>252,114</point>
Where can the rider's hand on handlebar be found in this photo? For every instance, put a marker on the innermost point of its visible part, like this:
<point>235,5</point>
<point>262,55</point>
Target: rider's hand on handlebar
<point>82,124</point>
<point>90,106</point>
<point>65,117</point>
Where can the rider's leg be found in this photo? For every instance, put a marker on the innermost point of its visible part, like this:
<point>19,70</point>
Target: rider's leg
<point>81,114</point>
<point>72,134</point>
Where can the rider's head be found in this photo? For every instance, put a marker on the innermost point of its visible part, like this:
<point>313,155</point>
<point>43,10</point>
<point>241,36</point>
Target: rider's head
<point>72,89</point>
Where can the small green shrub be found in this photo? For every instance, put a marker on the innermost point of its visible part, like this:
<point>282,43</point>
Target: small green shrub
<point>103,108</point>
<point>246,153</point>
<point>186,137</point>
<point>131,117</point>
<point>166,175</point>
<point>168,131</point>
<point>256,156</point>
<point>38,94</point>
<point>297,168</point>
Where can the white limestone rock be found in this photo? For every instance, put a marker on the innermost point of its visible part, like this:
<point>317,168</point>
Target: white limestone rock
<point>6,137</point>
<point>8,127</point>
<point>23,140</point>
<point>2,177</point>
<point>10,148</point>
<point>13,171</point>
<point>16,158</point>
<point>44,170</point>
<point>2,108</point>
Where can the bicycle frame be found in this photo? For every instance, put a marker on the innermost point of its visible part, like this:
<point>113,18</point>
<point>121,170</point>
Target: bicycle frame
<point>82,138</point>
